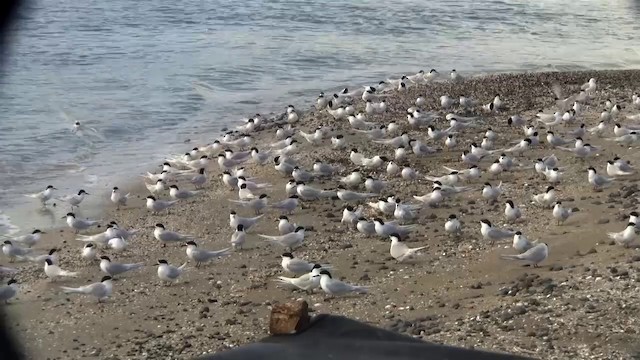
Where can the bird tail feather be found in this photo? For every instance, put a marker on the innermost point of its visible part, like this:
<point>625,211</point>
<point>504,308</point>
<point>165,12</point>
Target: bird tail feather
<point>68,273</point>
<point>71,290</point>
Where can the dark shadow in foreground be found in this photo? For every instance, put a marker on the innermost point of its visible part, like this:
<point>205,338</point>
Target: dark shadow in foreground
<point>335,337</point>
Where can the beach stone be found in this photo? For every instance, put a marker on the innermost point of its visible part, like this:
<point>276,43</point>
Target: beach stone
<point>519,310</point>
<point>602,221</point>
<point>555,267</point>
<point>289,318</point>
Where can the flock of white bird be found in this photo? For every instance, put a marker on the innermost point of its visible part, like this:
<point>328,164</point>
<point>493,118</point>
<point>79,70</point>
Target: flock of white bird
<point>395,219</point>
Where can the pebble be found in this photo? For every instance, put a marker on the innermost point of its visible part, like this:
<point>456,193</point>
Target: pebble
<point>602,221</point>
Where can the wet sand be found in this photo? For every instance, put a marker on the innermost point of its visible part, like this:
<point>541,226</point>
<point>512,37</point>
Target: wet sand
<point>580,303</point>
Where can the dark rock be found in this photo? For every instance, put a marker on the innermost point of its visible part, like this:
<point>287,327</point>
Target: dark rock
<point>365,277</point>
<point>476,286</point>
<point>505,316</point>
<point>519,310</point>
<point>346,246</point>
<point>613,270</point>
<point>329,215</point>
<point>602,221</point>
<point>555,267</point>
<point>592,251</point>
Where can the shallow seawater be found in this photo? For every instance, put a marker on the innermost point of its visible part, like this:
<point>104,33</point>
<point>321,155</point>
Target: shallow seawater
<point>128,71</point>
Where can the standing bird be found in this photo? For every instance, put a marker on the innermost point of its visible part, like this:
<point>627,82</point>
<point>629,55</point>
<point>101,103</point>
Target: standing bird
<point>547,198</point>
<point>119,199</point>
<point>614,169</point>
<point>626,236</point>
<point>169,273</point>
<point>100,290</point>
<point>288,205</point>
<point>44,195</point>
<point>14,251</point>
<point>238,238</point>
<point>158,205</point>
<point>598,181</point>
<point>166,236</point>
<point>491,233</point>
<point>256,203</point>
<point>289,241</point>
<point>8,291</point>
<point>54,271</point>
<point>306,282</point>
<point>533,256</point>
<point>29,240</point>
<point>201,256</point>
<point>200,179</point>
<point>511,212</point>
<point>112,269</point>
<point>297,266</point>
<point>491,193</point>
<point>336,287</point>
<point>248,223</point>
<point>74,200</point>
<point>400,251</point>
<point>178,194</point>
<point>79,224</point>
<point>453,226</point>
<point>89,252</point>
<point>521,243</point>
<point>560,213</point>
<point>284,226</point>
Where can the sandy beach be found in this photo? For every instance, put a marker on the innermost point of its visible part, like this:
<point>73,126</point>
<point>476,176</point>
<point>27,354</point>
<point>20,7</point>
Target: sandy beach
<point>579,304</point>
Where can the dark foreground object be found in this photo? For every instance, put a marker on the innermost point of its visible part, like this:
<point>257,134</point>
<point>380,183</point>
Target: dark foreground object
<point>336,337</point>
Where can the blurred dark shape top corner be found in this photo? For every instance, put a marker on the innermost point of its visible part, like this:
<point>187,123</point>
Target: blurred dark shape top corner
<point>8,9</point>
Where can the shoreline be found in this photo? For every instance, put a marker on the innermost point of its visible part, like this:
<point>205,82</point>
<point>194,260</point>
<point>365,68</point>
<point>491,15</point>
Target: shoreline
<point>226,304</point>
<point>24,209</point>
<point>97,204</point>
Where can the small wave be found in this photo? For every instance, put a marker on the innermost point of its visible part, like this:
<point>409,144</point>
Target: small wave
<point>6,227</point>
